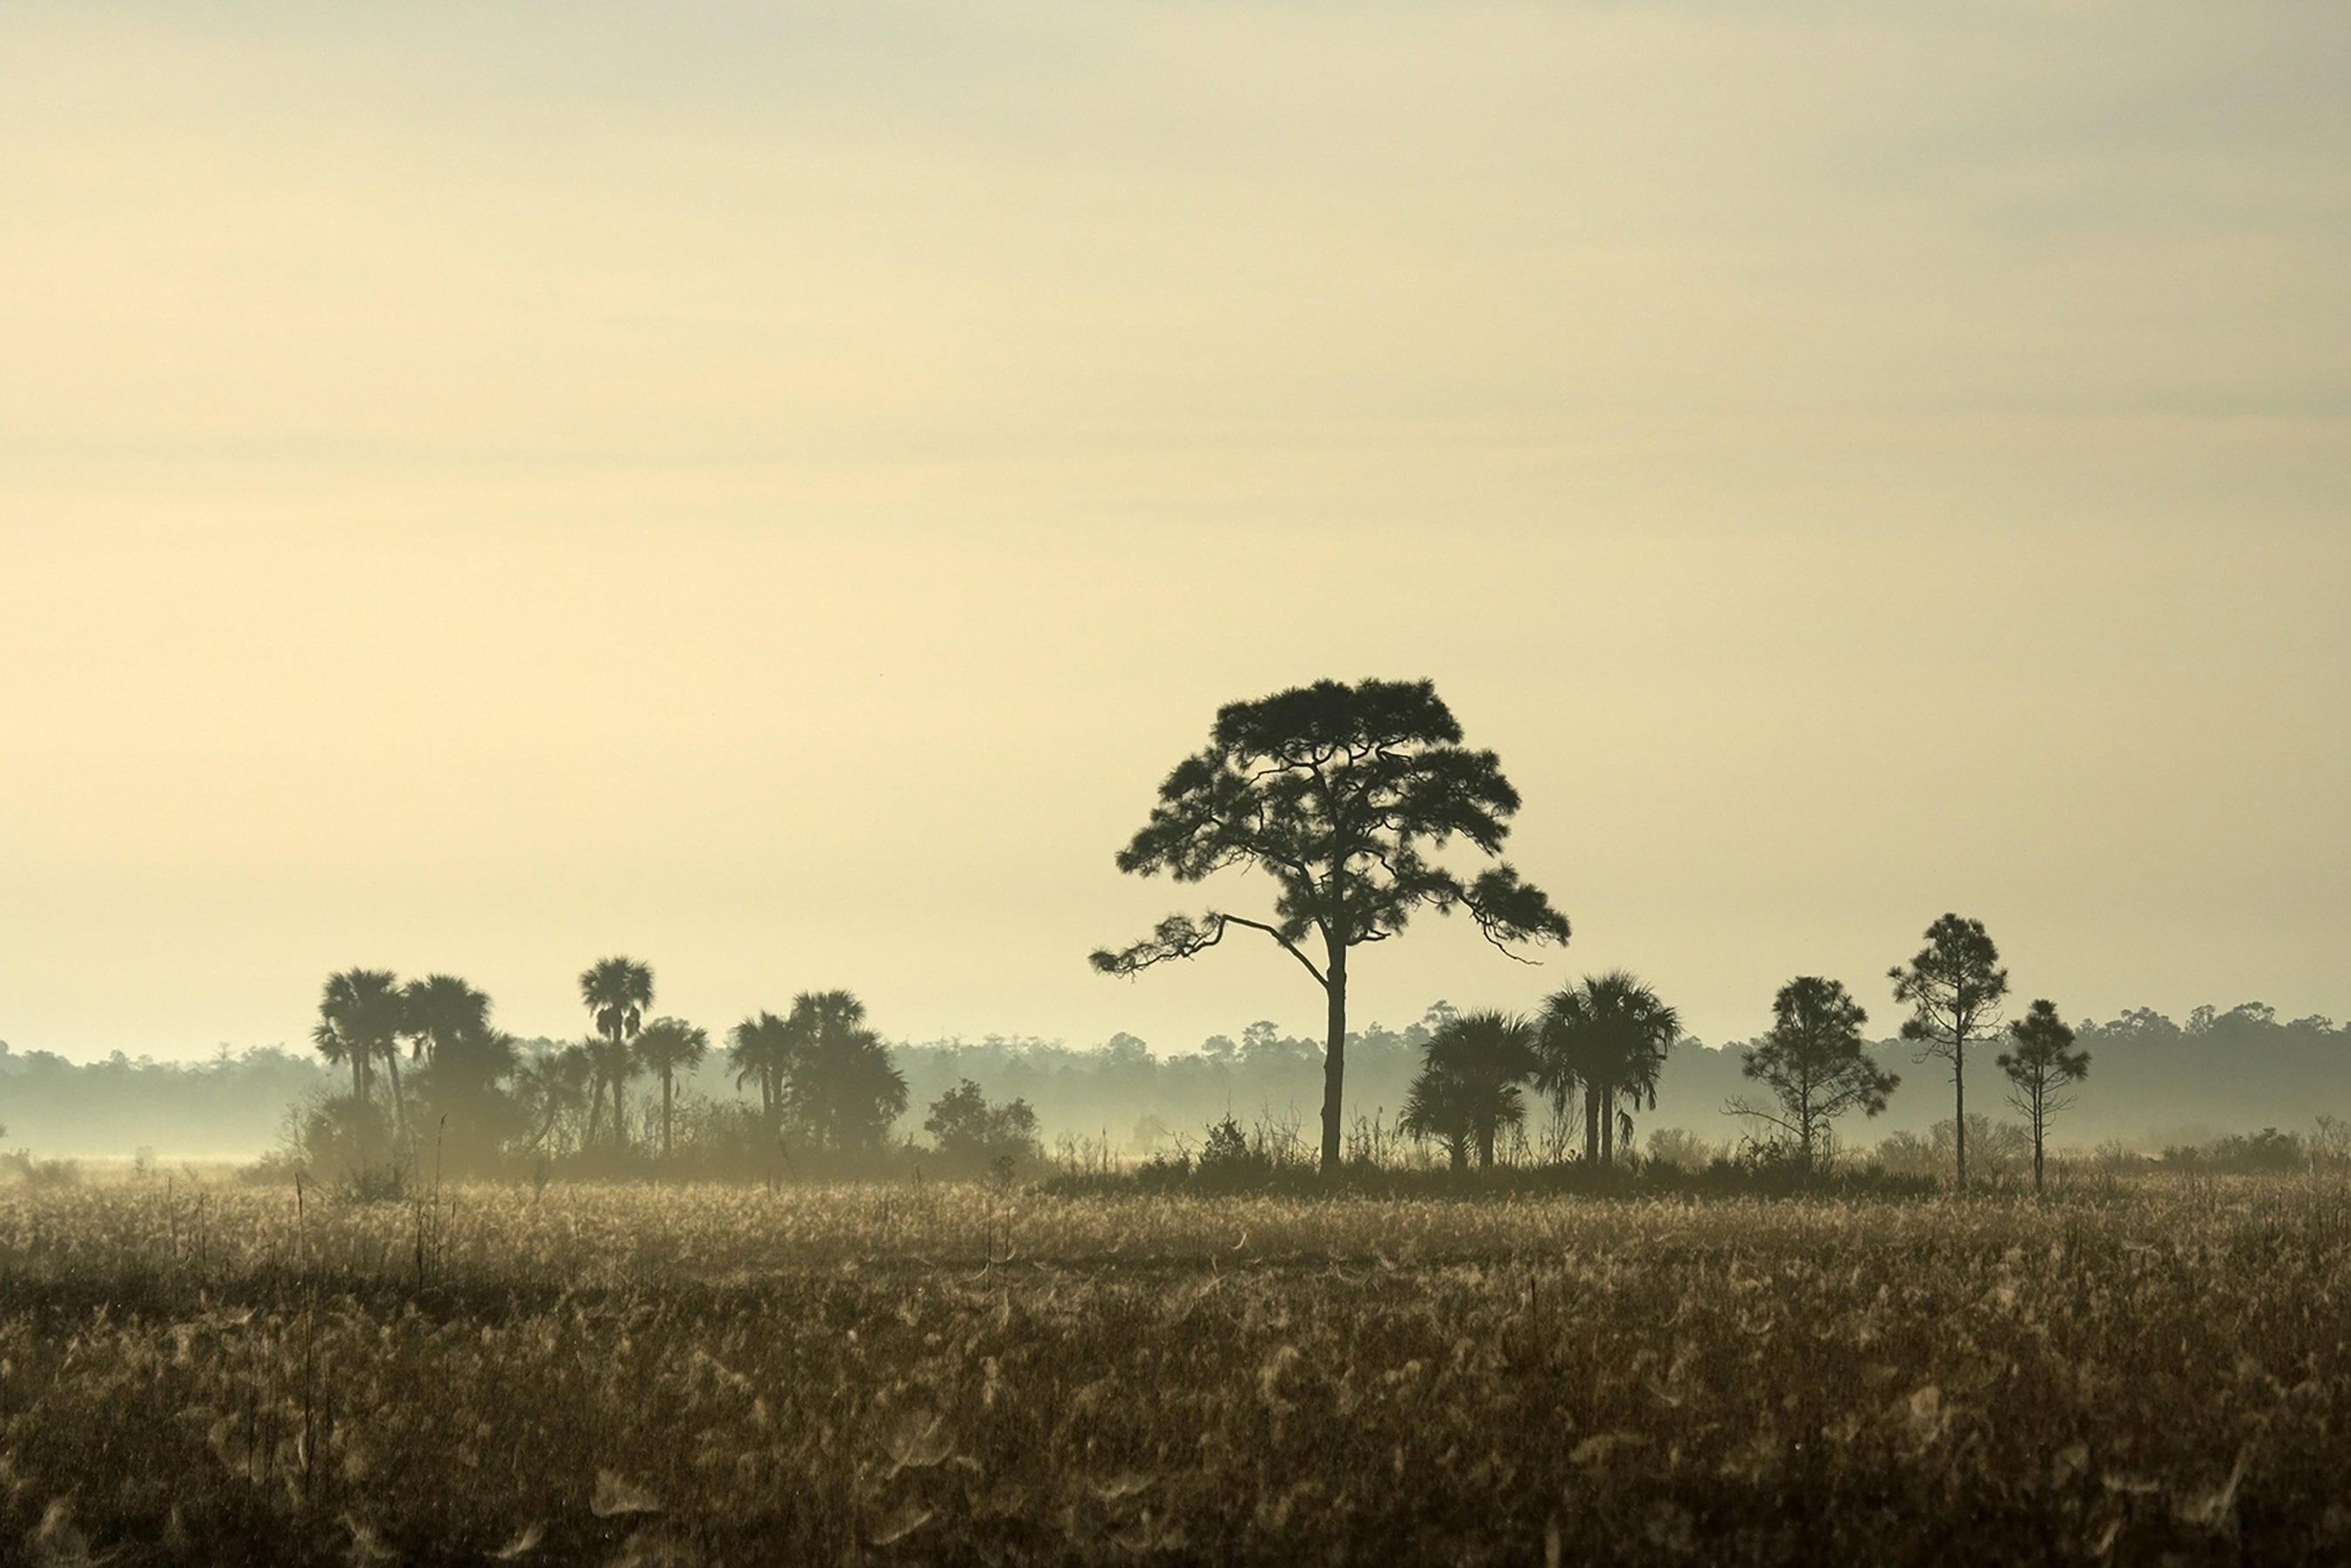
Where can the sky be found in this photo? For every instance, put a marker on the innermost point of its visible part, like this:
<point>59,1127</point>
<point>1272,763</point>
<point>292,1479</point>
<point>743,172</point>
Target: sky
<point>771,490</point>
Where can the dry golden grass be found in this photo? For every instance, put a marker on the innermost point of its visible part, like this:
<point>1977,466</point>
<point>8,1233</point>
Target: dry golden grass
<point>950,1374</point>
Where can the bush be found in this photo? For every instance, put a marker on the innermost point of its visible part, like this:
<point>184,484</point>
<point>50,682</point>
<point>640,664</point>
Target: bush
<point>975,1137</point>
<point>2267,1150</point>
<point>1228,1160</point>
<point>1679,1148</point>
<point>343,1140</point>
<point>1994,1149</point>
<point>36,1173</point>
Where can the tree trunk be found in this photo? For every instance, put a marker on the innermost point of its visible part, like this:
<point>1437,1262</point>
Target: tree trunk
<point>1591,1123</point>
<point>620,1123</point>
<point>1334,1048</point>
<point>399,1111</point>
<point>666,1094</point>
<point>1460,1149</point>
<point>1485,1148</point>
<point>2038,1121</point>
<point>1608,1130</point>
<point>1959,1089</point>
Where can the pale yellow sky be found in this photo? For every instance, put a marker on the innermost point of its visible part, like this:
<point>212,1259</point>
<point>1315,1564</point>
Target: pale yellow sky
<point>771,490</point>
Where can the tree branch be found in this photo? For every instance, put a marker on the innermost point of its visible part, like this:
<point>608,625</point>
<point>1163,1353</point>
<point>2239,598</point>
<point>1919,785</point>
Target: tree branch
<point>1742,1106</point>
<point>1181,936</point>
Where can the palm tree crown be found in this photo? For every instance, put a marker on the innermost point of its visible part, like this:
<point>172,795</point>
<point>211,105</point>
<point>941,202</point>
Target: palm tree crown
<point>440,1008</point>
<point>359,1017</point>
<point>616,992</point>
<point>760,1049</point>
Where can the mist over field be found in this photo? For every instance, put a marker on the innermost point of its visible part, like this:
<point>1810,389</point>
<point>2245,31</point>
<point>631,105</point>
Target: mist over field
<point>2167,1085</point>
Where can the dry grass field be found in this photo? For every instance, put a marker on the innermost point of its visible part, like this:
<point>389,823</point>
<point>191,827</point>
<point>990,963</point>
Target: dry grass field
<point>2157,1371</point>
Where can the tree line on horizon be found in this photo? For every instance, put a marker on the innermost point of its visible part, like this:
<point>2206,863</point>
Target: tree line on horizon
<point>2166,1082</point>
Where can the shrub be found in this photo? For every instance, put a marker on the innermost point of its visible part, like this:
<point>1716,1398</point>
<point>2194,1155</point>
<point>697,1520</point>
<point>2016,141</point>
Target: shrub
<point>36,1173</point>
<point>974,1136</point>
<point>2267,1150</point>
<point>1677,1147</point>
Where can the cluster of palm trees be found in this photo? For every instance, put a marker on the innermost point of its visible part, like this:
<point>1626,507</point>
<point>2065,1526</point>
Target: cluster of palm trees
<point>369,1020</point>
<point>624,1044</point>
<point>823,1072</point>
<point>1602,1042</point>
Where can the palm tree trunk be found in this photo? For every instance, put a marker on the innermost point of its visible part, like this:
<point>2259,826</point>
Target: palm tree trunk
<point>1591,1123</point>
<point>1608,1130</point>
<point>620,1123</point>
<point>399,1112</point>
<point>666,1098</point>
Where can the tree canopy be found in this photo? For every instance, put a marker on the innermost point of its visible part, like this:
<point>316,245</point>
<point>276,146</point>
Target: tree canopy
<point>1343,795</point>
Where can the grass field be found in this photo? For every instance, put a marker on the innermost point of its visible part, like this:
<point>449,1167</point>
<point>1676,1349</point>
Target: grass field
<point>2155,1371</point>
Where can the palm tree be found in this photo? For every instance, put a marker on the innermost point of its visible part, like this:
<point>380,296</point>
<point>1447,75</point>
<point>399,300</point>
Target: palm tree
<point>1438,1106</point>
<point>761,1049</point>
<point>433,1010</point>
<point>552,1084</point>
<point>460,1082</point>
<point>1606,1038</point>
<point>339,1050</point>
<point>440,1008</point>
<point>839,1086</point>
<point>1468,1086</point>
<point>666,1046</point>
<point>616,992</point>
<point>611,1064</point>
<point>359,1017</point>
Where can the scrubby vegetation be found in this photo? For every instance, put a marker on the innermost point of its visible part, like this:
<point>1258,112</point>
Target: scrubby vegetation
<point>2137,1369</point>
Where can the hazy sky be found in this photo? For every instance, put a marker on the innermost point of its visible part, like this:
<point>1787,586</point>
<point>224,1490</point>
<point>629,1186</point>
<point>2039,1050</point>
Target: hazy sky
<point>770,489</point>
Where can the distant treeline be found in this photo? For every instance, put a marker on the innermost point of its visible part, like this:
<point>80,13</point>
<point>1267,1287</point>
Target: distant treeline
<point>231,1107</point>
<point>2154,1082</point>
